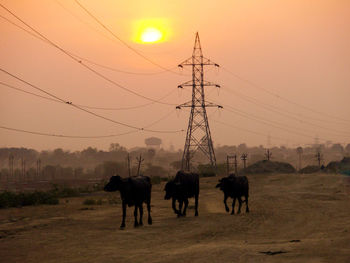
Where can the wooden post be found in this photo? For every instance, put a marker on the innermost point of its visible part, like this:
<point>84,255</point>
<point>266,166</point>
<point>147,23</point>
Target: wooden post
<point>319,158</point>
<point>228,165</point>
<point>140,160</point>
<point>236,170</point>
<point>268,154</point>
<point>244,157</point>
<point>128,160</point>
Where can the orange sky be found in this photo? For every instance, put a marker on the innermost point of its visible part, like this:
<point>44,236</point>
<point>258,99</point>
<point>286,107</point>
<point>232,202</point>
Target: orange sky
<point>294,48</point>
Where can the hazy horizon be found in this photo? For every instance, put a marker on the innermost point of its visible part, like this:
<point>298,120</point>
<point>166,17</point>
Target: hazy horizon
<point>289,63</point>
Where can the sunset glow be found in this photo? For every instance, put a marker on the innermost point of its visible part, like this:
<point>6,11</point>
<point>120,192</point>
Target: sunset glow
<point>149,31</point>
<point>150,35</point>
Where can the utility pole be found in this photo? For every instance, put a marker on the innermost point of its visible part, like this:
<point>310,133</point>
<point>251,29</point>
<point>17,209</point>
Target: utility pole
<point>139,160</point>
<point>23,162</point>
<point>244,158</point>
<point>228,158</point>
<point>38,169</point>
<point>268,154</point>
<point>300,153</point>
<point>11,160</point>
<point>198,133</point>
<point>319,158</point>
<point>128,161</point>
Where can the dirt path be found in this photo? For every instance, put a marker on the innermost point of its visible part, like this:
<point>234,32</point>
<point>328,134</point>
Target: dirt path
<point>294,218</point>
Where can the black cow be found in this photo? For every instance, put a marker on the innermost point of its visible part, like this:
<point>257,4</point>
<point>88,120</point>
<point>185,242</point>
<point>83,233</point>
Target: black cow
<point>182,187</point>
<point>134,191</point>
<point>235,187</point>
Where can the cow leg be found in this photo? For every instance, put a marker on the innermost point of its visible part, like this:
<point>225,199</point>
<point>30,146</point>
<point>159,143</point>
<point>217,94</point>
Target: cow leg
<point>136,224</point>
<point>141,214</point>
<point>122,226</point>
<point>226,207</point>
<point>246,204</point>
<point>174,206</point>
<point>149,212</point>
<point>233,205</point>
<point>185,208</point>
<point>196,205</point>
<point>180,208</point>
<point>240,204</point>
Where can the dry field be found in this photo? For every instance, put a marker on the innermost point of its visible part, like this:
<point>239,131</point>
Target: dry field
<point>307,217</point>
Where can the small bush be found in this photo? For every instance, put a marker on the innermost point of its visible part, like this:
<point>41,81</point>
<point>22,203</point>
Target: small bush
<point>113,200</point>
<point>10,199</point>
<point>89,202</point>
<point>207,174</point>
<point>155,179</point>
<point>92,202</point>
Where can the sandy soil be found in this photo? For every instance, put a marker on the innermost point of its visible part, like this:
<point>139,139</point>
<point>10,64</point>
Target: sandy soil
<point>307,217</point>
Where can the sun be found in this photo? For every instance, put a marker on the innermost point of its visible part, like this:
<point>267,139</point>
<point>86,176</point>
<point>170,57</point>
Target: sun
<point>151,35</point>
<point>149,31</point>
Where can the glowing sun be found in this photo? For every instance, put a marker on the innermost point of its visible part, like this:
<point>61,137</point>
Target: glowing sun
<point>151,35</point>
<point>149,31</point>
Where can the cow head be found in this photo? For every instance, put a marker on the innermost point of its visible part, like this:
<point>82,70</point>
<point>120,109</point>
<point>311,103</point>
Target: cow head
<point>170,189</point>
<point>223,183</point>
<point>113,184</point>
<point>220,184</point>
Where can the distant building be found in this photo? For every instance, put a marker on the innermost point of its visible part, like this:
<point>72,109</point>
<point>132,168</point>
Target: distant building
<point>153,142</point>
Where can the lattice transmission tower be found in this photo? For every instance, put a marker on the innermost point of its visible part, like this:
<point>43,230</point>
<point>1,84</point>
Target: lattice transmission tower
<point>198,133</point>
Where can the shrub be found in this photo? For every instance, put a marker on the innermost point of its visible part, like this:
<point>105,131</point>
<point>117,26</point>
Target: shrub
<point>89,202</point>
<point>10,199</point>
<point>92,202</point>
<point>158,179</point>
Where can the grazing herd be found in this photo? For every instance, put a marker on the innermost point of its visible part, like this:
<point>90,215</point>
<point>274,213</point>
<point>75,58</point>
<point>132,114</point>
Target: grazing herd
<point>134,191</point>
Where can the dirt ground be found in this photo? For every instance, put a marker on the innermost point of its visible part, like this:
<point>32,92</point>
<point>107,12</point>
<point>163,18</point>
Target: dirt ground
<point>306,217</point>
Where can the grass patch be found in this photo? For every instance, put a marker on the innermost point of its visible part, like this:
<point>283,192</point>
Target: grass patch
<point>10,199</point>
<point>158,179</point>
<point>92,202</point>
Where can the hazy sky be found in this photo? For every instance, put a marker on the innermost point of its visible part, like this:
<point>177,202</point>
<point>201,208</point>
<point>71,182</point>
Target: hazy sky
<point>296,49</point>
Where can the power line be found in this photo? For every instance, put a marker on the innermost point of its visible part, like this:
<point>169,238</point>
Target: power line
<point>83,137</point>
<point>114,40</point>
<point>254,85</point>
<point>86,106</point>
<point>66,136</point>
<point>121,40</point>
<point>265,121</point>
<point>82,109</point>
<point>81,63</point>
<point>278,111</point>
<point>255,101</point>
<point>83,58</point>
<point>247,130</point>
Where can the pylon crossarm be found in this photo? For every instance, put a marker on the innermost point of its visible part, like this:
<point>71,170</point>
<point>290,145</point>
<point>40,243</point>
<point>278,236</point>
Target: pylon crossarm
<point>207,61</point>
<point>198,62</point>
<point>186,84</point>
<point>210,104</point>
<point>187,62</point>
<point>204,83</point>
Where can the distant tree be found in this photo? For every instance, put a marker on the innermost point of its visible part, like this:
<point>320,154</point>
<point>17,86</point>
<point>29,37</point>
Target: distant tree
<point>150,154</point>
<point>337,147</point>
<point>176,165</point>
<point>242,147</point>
<point>116,147</point>
<point>347,148</point>
<point>114,168</point>
<point>78,173</point>
<point>89,152</point>
<point>49,172</point>
<point>31,174</point>
<point>154,170</point>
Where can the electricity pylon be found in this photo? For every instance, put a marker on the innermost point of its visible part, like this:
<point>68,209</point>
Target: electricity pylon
<point>198,133</point>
